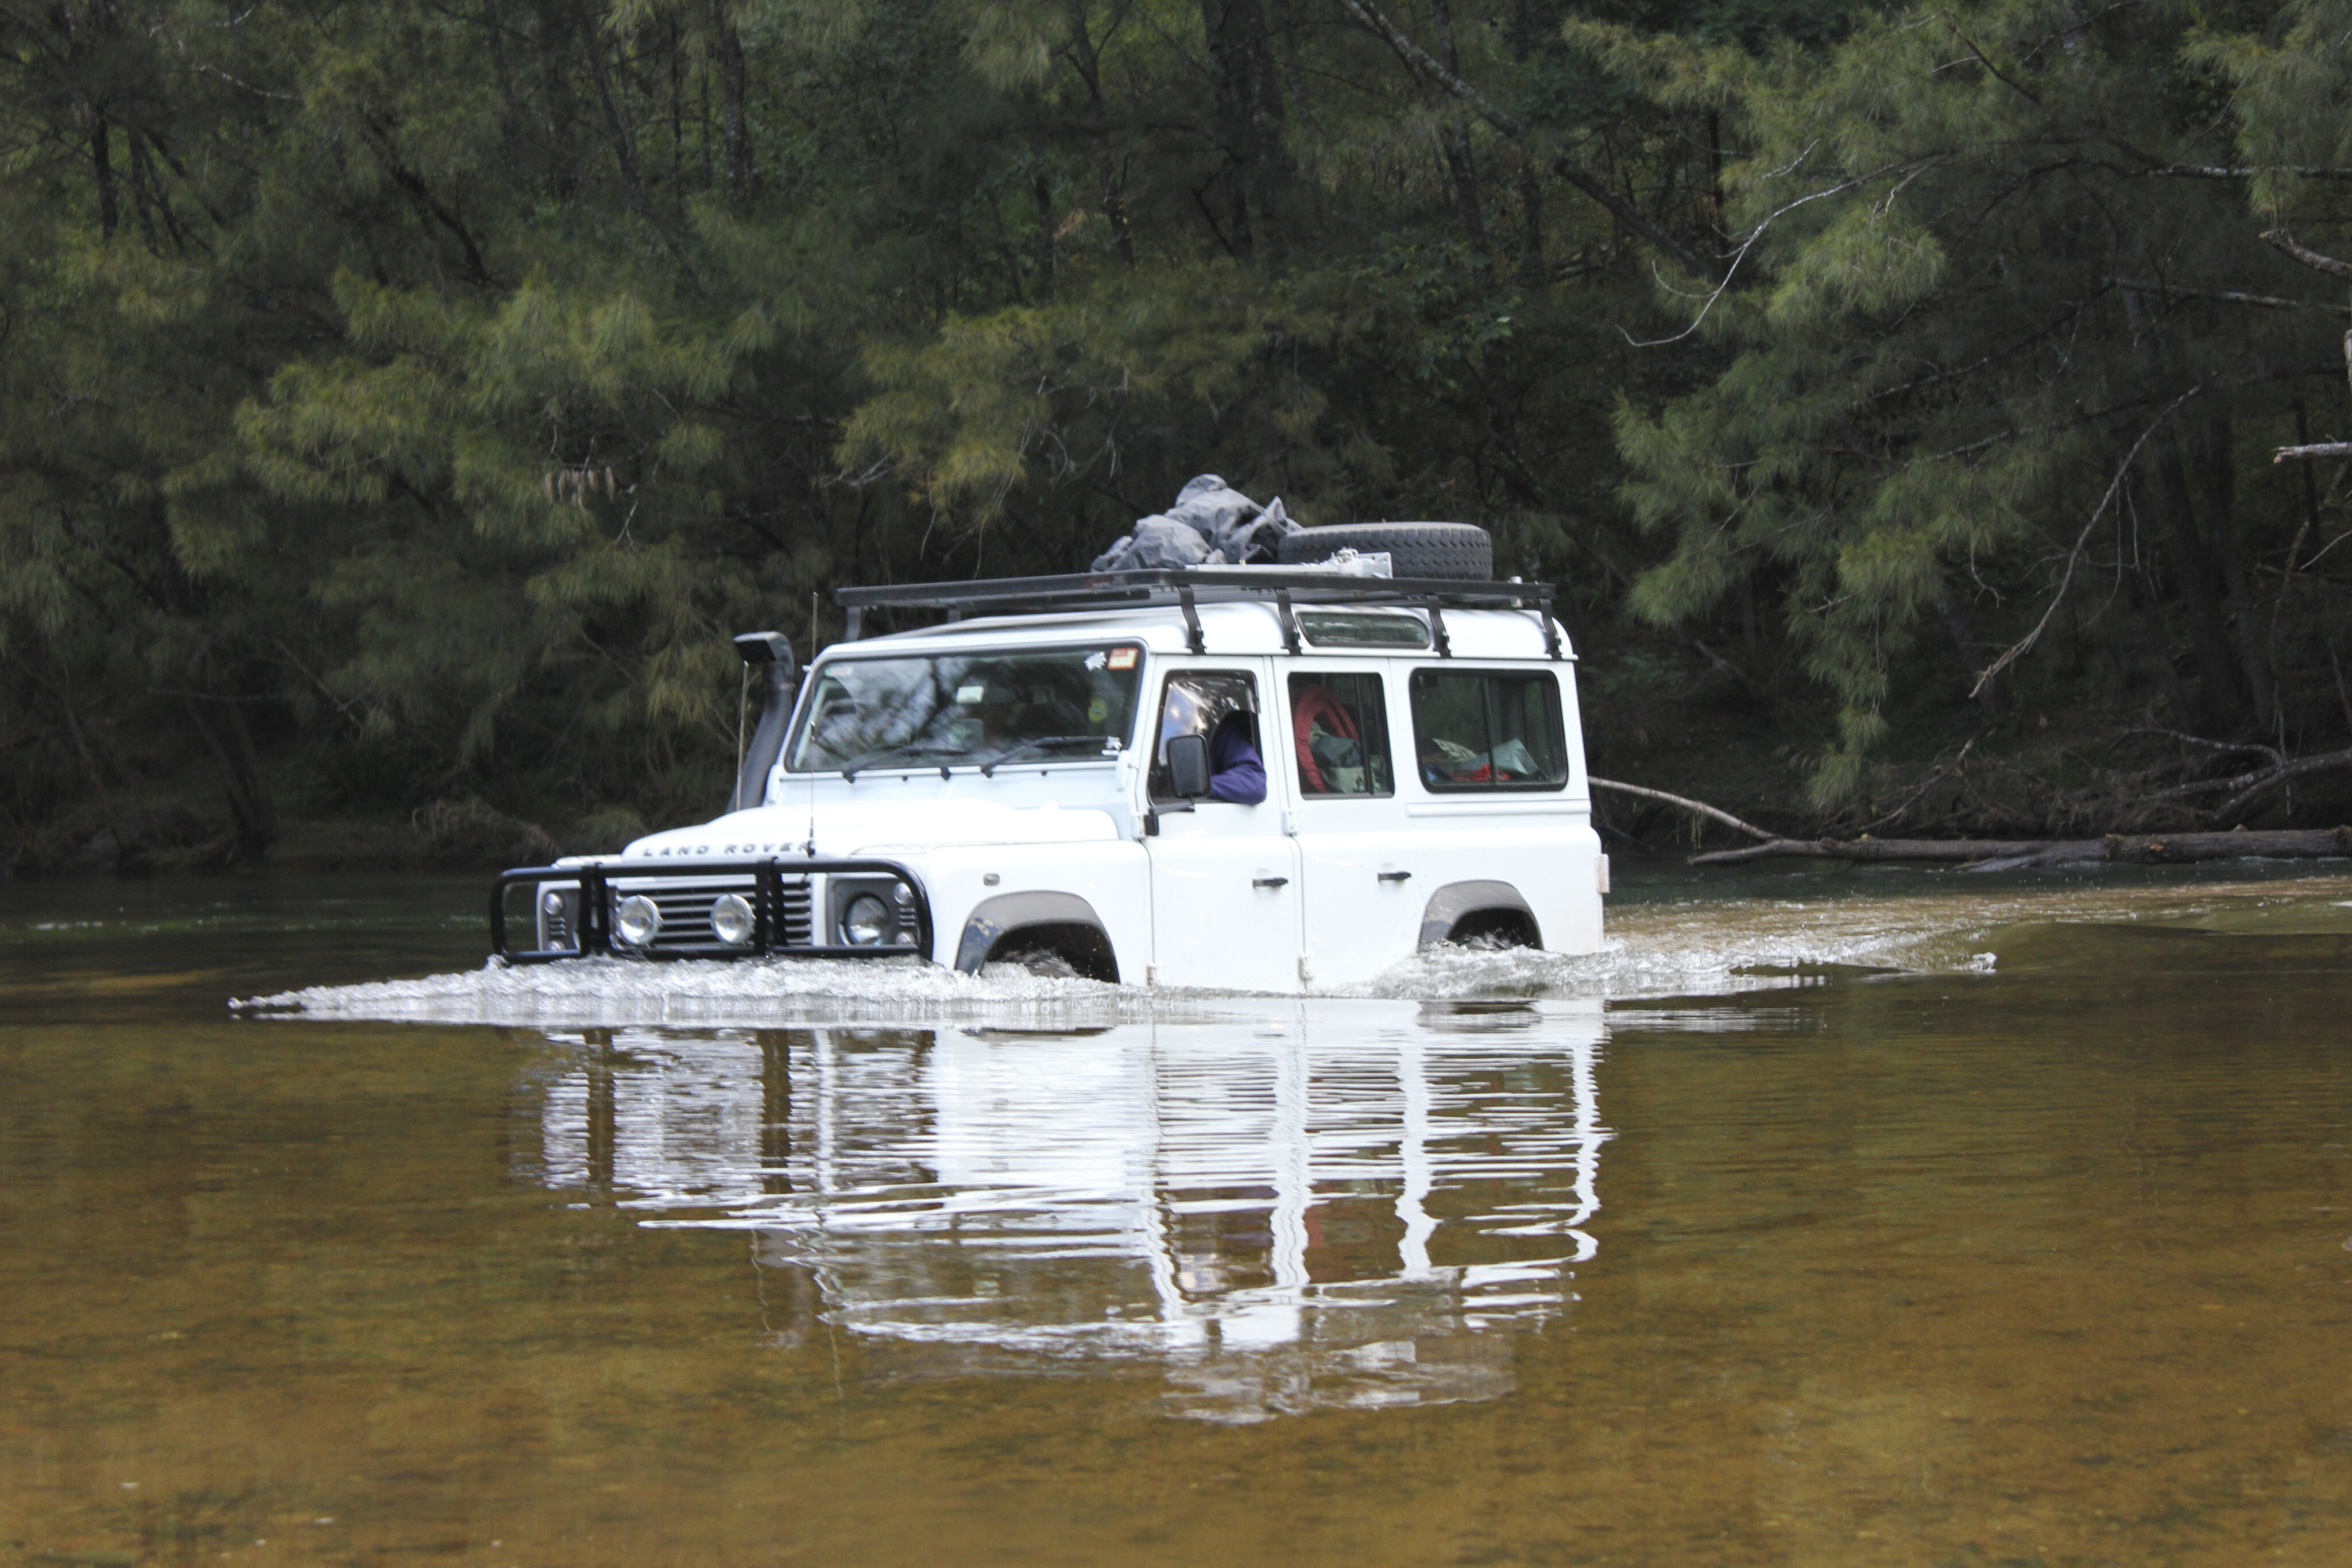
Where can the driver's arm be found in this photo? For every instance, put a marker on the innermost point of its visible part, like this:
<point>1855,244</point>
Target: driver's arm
<point>1236,773</point>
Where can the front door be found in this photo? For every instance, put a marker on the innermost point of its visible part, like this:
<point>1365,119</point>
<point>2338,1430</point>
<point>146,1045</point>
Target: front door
<point>1224,876</point>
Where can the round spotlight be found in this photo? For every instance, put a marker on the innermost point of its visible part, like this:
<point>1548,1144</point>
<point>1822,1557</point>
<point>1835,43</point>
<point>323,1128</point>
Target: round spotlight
<point>902,895</point>
<point>730,919</point>
<point>551,902</point>
<point>866,921</point>
<point>637,920</point>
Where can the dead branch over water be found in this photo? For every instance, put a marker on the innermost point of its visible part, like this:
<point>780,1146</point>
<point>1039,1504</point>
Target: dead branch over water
<point>1696,808</point>
<point>2015,854</point>
<point>2151,800</point>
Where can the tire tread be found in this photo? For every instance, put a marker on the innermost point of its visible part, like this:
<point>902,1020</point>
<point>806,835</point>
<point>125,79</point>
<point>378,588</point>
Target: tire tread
<point>1458,552</point>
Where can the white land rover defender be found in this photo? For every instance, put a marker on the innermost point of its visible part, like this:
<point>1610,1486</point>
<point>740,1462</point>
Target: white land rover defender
<point>1064,768</point>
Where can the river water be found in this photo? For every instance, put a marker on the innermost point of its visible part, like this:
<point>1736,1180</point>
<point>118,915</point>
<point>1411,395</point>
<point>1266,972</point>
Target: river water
<point>1871,1218</point>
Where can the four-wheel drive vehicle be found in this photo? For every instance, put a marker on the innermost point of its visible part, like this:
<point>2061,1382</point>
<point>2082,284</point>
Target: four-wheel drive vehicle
<point>1061,772</point>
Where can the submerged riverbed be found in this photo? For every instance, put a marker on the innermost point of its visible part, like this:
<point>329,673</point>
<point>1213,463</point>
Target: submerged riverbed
<point>1824,1218</point>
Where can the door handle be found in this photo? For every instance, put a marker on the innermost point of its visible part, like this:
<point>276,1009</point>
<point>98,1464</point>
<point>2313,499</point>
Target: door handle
<point>1396,876</point>
<point>1270,881</point>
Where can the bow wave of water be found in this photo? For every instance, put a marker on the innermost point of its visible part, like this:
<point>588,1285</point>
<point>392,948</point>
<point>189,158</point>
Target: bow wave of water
<point>1694,946</point>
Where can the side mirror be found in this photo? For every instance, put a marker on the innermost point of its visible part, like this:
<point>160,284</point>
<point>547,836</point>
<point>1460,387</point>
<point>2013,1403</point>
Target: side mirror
<point>1188,766</point>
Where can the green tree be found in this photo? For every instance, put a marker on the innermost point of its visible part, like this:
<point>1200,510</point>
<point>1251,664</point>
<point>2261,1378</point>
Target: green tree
<point>2007,353</point>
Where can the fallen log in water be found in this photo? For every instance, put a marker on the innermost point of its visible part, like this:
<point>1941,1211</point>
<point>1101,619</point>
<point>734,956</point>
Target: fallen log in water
<point>2012,854</point>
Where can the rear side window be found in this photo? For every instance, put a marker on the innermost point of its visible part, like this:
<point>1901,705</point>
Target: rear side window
<point>1487,730</point>
<point>1340,733</point>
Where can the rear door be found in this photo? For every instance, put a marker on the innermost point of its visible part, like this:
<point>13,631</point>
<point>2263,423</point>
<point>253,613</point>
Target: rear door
<point>1486,791</point>
<point>1361,908</point>
<point>1224,876</point>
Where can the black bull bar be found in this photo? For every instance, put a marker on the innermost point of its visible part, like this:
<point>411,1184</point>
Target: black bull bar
<point>600,887</point>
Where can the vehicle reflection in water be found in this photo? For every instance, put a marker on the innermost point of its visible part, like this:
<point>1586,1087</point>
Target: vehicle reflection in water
<point>1338,1204</point>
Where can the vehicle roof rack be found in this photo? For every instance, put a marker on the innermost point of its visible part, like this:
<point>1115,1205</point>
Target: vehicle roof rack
<point>1187,587</point>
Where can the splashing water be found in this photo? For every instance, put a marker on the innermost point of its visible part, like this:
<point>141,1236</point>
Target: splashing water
<point>623,990</point>
<point>1696,946</point>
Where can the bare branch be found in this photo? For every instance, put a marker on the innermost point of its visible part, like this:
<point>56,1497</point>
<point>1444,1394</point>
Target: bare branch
<point>2322,449</point>
<point>2225,747</point>
<point>1699,808</point>
<point>2180,291</point>
<point>2283,241</point>
<point>2326,762</point>
<point>1429,70</point>
<point>1938,777</point>
<point>1626,213</point>
<point>2210,172</point>
<point>1423,64</point>
<point>2075,557</point>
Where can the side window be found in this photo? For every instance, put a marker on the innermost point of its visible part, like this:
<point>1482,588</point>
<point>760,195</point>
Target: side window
<point>1487,730</point>
<point>1341,735</point>
<point>1201,702</point>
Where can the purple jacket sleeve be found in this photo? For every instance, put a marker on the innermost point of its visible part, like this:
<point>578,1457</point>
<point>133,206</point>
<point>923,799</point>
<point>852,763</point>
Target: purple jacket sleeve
<point>1236,772</point>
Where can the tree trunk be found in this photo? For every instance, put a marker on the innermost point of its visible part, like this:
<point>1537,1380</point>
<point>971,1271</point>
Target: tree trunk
<point>1041,187</point>
<point>101,158</point>
<point>735,121</point>
<point>1109,175</point>
<point>1460,155</point>
<point>2220,476</point>
<point>624,134</point>
<point>1249,112</point>
<point>2221,695</point>
<point>561,114</point>
<point>1533,272</point>
<point>1962,627</point>
<point>252,808</point>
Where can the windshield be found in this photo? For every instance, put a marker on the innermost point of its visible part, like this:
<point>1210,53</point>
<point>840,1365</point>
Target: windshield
<point>969,709</point>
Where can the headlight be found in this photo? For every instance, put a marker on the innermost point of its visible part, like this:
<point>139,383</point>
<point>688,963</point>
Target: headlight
<point>730,919</point>
<point>637,920</point>
<point>866,921</point>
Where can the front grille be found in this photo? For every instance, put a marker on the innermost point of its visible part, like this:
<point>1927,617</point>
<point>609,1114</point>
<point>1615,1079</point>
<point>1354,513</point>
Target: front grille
<point>797,921</point>
<point>589,898</point>
<point>686,910</point>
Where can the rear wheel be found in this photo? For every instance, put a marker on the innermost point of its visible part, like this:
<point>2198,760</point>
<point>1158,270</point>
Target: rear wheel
<point>1493,928</point>
<point>1458,551</point>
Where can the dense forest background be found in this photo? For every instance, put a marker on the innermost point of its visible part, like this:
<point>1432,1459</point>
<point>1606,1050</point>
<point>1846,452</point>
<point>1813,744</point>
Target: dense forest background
<point>401,403</point>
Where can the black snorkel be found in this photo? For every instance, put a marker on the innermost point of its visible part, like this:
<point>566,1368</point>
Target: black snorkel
<point>769,653</point>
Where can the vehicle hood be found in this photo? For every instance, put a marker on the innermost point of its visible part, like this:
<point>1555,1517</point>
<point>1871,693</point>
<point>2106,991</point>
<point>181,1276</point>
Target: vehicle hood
<point>899,828</point>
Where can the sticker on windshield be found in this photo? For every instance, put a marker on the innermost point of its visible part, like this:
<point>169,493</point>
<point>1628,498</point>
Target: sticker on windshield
<point>1122,658</point>
<point>972,694</point>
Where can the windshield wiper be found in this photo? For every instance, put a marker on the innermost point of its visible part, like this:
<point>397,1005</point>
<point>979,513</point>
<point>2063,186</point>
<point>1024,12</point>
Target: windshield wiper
<point>851,769</point>
<point>988,768</point>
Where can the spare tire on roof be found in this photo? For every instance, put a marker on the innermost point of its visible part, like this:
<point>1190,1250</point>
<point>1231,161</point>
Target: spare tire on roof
<point>1461,550</point>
